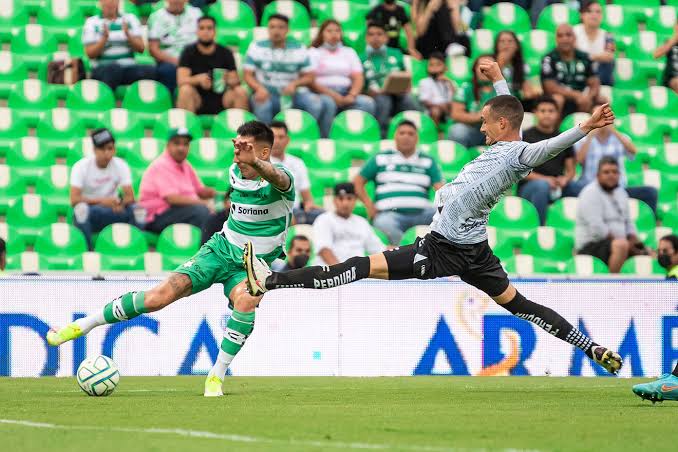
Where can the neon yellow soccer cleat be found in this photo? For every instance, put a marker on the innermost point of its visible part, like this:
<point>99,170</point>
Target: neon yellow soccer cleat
<point>213,386</point>
<point>65,334</point>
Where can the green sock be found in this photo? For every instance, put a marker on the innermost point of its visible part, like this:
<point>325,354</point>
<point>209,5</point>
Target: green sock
<point>238,329</point>
<point>127,307</point>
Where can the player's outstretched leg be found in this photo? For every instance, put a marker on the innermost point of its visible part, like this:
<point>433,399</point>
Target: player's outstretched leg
<point>125,307</point>
<point>664,388</point>
<point>238,328</point>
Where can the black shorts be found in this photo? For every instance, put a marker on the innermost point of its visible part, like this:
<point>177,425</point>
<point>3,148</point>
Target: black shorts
<point>433,256</point>
<point>600,249</point>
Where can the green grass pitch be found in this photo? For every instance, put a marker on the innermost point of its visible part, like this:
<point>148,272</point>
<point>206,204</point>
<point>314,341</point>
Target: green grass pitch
<point>327,414</point>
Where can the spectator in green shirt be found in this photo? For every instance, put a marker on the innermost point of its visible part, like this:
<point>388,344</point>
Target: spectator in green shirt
<point>379,60</point>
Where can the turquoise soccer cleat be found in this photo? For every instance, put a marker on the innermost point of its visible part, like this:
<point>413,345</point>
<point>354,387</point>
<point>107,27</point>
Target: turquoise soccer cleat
<point>664,388</point>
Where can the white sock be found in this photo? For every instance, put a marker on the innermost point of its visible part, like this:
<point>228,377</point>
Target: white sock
<point>219,368</point>
<point>86,324</point>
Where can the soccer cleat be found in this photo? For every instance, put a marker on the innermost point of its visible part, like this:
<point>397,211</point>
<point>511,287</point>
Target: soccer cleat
<point>213,386</point>
<point>610,360</point>
<point>257,271</point>
<point>664,388</point>
<point>65,334</point>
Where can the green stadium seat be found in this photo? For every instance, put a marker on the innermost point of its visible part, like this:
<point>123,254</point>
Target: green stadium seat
<point>26,262</point>
<point>529,121</point>
<point>553,15</point>
<point>642,266</point>
<point>621,99</point>
<point>12,127</point>
<point>537,43</point>
<point>549,243</point>
<point>584,265</point>
<point>412,233</point>
<point>235,20</point>
<point>451,156</point>
<point>428,132</point>
<point>29,214</point>
<point>641,214</point>
<point>662,19</point>
<point>659,101</point>
<point>12,71</point>
<point>58,129</point>
<point>642,45</point>
<point>482,42</point>
<point>618,19</point>
<point>516,218</point>
<point>177,243</point>
<point>353,128</point>
<point>13,14</point>
<point>506,16</point>
<point>12,186</point>
<point>60,246</point>
<point>147,98</point>
<point>642,128</point>
<point>30,159</point>
<point>14,242</point>
<point>122,247</point>
<point>572,120</point>
<point>459,67</point>
<point>226,123</point>
<point>211,159</point>
<point>562,215</point>
<point>418,68</point>
<point>174,118</point>
<point>350,14</point>
<point>31,98</point>
<point>36,45</point>
<point>322,154</point>
<point>295,12</point>
<point>143,152</point>
<point>629,74</point>
<point>526,265</point>
<point>61,17</point>
<point>123,123</point>
<point>88,98</point>
<point>300,124</point>
<point>666,160</point>
<point>55,188</point>
<point>501,248</point>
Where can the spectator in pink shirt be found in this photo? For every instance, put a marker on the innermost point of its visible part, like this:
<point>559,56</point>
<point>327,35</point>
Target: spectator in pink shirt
<point>171,191</point>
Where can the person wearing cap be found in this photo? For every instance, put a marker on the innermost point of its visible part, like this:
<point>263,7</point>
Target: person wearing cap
<point>101,188</point>
<point>341,234</point>
<point>171,191</point>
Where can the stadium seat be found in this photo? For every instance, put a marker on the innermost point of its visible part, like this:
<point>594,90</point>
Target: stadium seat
<point>662,19</point>
<point>322,154</point>
<point>122,247</point>
<point>572,120</point>
<point>143,152</point>
<point>29,159</point>
<point>147,98</point>
<point>35,44</point>
<point>553,15</point>
<point>428,132</point>
<point>618,19</point>
<point>642,266</point>
<point>621,99</point>
<point>537,43</point>
<point>13,14</point>
<point>562,215</point>
<point>300,124</point>
<point>506,16</point>
<point>630,75</point>
<point>14,242</point>
<point>58,129</point>
<point>26,262</point>
<point>174,118</point>
<point>295,12</point>
<point>32,98</point>
<point>501,248</point>
<point>584,265</point>
<point>235,21</point>
<point>459,67</point>
<point>641,214</point>
<point>412,233</point>
<point>54,187</point>
<point>227,122</point>
<point>12,186</point>
<point>642,128</point>
<point>666,160</point>
<point>61,17</point>
<point>88,99</point>
<point>211,159</point>
<point>12,71</point>
<point>350,14</point>
<point>29,214</point>
<point>123,123</point>
<point>549,243</point>
<point>659,101</point>
<point>60,246</point>
<point>450,155</point>
<point>354,128</point>
<point>527,265</point>
<point>177,243</point>
<point>515,218</point>
<point>642,45</point>
<point>12,127</point>
<point>482,42</point>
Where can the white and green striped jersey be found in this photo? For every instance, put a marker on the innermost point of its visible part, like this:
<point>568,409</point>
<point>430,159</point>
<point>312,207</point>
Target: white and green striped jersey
<point>117,49</point>
<point>174,31</point>
<point>276,68</point>
<point>260,213</point>
<point>402,183</point>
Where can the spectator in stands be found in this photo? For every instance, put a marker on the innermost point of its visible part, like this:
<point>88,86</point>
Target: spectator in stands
<point>609,142</point>
<point>403,179</point>
<point>393,18</point>
<point>667,255</point>
<point>207,77</point>
<point>341,234</point>
<point>278,70</point>
<point>441,25</point>
<point>509,55</point>
<point>215,223</point>
<point>259,5</point>
<point>170,29</point>
<point>596,42</point>
<point>185,199</point>
<point>670,49</point>
<point>567,74</point>
<point>435,91</point>
<point>298,254</point>
<point>3,255</point>
<point>110,41</point>
<point>604,228</point>
<point>379,60</point>
<point>305,211</point>
<point>467,102</point>
<point>553,179</point>
<point>339,76</point>
<point>95,182</point>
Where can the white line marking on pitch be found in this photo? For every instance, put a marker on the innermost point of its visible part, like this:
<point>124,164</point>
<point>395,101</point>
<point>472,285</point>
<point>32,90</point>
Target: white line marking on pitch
<point>246,439</point>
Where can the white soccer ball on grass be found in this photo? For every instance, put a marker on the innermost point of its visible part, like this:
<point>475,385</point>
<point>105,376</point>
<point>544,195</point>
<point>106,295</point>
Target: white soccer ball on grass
<point>98,376</point>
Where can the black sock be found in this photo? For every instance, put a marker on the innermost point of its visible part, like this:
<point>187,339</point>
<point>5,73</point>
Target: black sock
<point>550,321</point>
<point>324,277</point>
<point>675,371</point>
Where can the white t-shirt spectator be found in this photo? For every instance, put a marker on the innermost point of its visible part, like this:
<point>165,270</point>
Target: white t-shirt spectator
<point>595,47</point>
<point>300,173</point>
<point>98,182</point>
<point>117,49</point>
<point>174,31</point>
<point>437,92</point>
<point>345,237</point>
<point>333,69</point>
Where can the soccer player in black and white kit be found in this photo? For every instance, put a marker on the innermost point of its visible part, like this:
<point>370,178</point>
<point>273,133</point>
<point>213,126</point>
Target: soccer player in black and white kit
<point>457,244</point>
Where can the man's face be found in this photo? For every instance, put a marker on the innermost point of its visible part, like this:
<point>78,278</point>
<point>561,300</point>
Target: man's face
<point>177,148</point>
<point>261,150</point>
<point>277,30</point>
<point>406,138</point>
<point>104,154</point>
<point>376,37</point>
<point>344,205</point>
<point>666,247</point>
<point>299,248</point>
<point>608,176</point>
<point>565,39</point>
<point>176,5</point>
<point>492,127</point>
<point>547,115</point>
<point>280,141</point>
<point>206,32</point>
<point>109,7</point>
<point>435,66</point>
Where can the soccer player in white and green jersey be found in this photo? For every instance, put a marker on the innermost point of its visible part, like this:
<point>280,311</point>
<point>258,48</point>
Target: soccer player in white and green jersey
<point>261,211</point>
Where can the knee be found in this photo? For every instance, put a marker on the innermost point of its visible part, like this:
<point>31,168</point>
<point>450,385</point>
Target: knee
<point>185,93</point>
<point>242,300</point>
<point>620,245</point>
<point>365,104</point>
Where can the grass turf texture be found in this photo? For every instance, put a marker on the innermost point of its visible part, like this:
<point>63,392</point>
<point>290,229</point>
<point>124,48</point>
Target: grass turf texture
<point>313,414</point>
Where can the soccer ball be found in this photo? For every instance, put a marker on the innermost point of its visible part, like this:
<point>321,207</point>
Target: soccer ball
<point>98,376</point>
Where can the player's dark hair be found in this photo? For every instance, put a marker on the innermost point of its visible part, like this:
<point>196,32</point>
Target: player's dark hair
<point>279,125</point>
<point>210,18</point>
<point>607,160</point>
<point>673,238</point>
<point>517,63</point>
<point>474,81</point>
<point>279,16</point>
<point>408,123</point>
<point>545,99</point>
<point>301,237</point>
<point>509,107</point>
<point>437,56</point>
<point>257,130</point>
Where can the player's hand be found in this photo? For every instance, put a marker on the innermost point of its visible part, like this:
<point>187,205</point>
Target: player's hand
<point>492,71</point>
<point>244,152</point>
<point>261,95</point>
<point>601,117</point>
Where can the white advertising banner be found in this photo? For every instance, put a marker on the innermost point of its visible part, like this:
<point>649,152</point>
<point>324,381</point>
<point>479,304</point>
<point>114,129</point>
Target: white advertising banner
<point>370,328</point>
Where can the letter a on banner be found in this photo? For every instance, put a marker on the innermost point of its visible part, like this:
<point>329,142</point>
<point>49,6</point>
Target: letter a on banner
<point>442,340</point>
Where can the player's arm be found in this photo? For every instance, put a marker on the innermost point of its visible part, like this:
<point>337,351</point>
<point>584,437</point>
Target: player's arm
<point>493,72</point>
